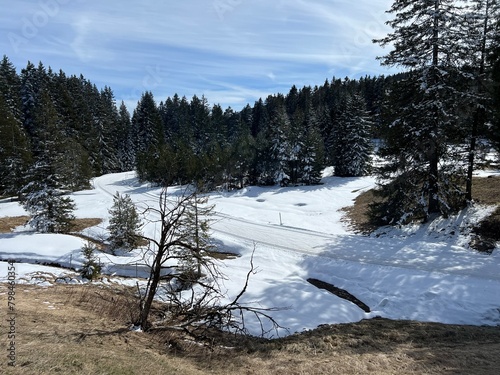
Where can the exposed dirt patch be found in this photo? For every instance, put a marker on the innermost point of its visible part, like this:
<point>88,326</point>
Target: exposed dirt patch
<point>357,214</point>
<point>78,225</point>
<point>486,190</point>
<point>7,224</point>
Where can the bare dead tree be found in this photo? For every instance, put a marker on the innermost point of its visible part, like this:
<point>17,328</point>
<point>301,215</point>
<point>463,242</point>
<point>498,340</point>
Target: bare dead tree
<point>186,279</point>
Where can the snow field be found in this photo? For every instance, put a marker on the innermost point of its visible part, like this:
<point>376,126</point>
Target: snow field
<point>424,273</point>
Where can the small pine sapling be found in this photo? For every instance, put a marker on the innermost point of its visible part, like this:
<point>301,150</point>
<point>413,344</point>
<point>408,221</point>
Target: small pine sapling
<point>91,268</point>
<point>124,224</point>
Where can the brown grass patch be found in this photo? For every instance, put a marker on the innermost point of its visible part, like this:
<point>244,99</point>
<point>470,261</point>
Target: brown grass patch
<point>84,330</point>
<point>7,224</point>
<point>486,190</point>
<point>357,214</point>
<point>78,225</point>
<point>79,330</point>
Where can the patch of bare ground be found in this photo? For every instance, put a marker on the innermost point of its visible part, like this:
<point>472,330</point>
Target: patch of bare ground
<point>357,214</point>
<point>68,329</point>
<point>7,224</point>
<point>78,225</point>
<point>486,190</point>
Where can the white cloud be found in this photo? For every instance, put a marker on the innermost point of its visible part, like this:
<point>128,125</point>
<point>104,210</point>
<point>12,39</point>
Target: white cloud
<point>232,49</point>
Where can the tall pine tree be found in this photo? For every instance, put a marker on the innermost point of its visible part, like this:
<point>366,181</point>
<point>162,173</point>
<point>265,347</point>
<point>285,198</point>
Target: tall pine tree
<point>424,41</point>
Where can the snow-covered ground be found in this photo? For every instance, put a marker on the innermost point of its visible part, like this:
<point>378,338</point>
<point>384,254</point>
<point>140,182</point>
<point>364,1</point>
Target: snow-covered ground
<point>424,273</point>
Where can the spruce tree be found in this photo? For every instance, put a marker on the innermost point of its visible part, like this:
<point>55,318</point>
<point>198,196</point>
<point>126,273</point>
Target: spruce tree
<point>149,138</point>
<point>42,195</point>
<point>312,157</point>
<point>480,36</point>
<point>124,224</point>
<point>91,267</point>
<point>15,153</point>
<point>108,133</point>
<point>424,40</point>
<point>125,144</point>
<point>352,142</point>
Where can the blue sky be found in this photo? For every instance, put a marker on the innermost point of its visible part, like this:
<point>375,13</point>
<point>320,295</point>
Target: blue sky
<point>232,51</point>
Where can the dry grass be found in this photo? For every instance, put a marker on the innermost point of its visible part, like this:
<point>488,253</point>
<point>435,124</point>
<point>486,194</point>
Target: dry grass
<point>486,190</point>
<point>78,225</point>
<point>7,224</point>
<point>74,330</point>
<point>357,215</point>
<point>83,330</point>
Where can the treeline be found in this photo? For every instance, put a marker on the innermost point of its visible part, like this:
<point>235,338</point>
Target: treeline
<point>58,127</point>
<point>77,131</point>
<point>291,137</point>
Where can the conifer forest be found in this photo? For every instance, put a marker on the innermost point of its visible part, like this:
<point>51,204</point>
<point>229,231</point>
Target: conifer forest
<point>422,131</point>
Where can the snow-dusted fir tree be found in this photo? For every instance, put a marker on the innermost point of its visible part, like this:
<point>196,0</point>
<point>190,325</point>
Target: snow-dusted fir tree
<point>91,267</point>
<point>50,211</point>
<point>274,148</point>
<point>495,77</point>
<point>148,135</point>
<point>15,153</point>
<point>42,195</point>
<point>125,146</point>
<point>352,143</point>
<point>481,36</point>
<point>124,224</point>
<point>107,133</point>
<point>425,40</point>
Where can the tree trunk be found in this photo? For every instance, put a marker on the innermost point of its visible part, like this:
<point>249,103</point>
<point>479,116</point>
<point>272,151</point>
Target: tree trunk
<point>472,154</point>
<point>151,292</point>
<point>479,113</point>
<point>433,188</point>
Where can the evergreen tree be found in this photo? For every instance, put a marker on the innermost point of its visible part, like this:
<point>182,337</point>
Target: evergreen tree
<point>125,143</point>
<point>149,138</point>
<point>312,156</point>
<point>91,267</point>
<point>124,224</point>
<point>10,88</point>
<point>424,40</point>
<point>108,133</point>
<point>275,165</point>
<point>494,60</point>
<point>15,154</point>
<point>50,212</point>
<point>481,33</point>
<point>42,195</point>
<point>30,85</point>
<point>352,145</point>
<point>195,233</point>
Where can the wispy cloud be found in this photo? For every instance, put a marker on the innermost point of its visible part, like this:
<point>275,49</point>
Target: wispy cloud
<point>233,51</point>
